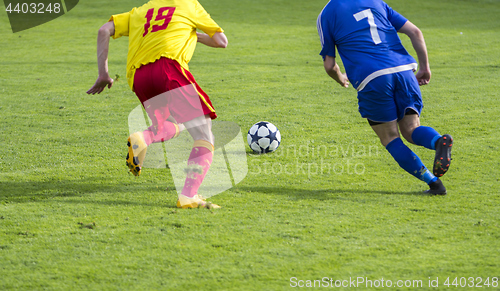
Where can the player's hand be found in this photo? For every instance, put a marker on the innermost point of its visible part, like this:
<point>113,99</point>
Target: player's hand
<point>423,77</point>
<point>100,84</point>
<point>344,81</point>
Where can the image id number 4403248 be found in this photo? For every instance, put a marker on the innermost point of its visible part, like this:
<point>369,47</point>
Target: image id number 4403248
<point>471,282</point>
<point>33,7</point>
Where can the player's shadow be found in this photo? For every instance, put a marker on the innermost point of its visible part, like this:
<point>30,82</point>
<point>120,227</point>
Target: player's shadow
<point>78,191</point>
<point>325,194</point>
<point>113,193</point>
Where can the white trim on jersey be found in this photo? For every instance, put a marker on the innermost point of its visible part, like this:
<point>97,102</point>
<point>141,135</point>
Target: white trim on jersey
<point>320,28</point>
<point>412,66</point>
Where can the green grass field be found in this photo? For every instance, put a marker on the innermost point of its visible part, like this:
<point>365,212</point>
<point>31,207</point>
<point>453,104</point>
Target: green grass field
<point>73,218</point>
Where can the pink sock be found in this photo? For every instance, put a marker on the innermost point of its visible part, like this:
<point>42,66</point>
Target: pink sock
<point>199,162</point>
<point>165,132</point>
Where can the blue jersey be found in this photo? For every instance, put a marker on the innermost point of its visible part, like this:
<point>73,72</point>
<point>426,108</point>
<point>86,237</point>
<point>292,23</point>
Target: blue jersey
<point>365,34</point>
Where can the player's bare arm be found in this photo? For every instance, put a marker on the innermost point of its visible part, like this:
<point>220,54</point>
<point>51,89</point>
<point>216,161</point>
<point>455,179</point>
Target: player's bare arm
<point>417,40</point>
<point>103,80</point>
<point>218,40</point>
<point>333,70</point>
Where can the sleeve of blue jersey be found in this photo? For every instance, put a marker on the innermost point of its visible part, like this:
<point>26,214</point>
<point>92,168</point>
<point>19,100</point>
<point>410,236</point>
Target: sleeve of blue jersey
<point>397,20</point>
<point>327,42</point>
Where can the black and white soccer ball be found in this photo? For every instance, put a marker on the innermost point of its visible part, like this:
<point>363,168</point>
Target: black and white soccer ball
<point>264,137</point>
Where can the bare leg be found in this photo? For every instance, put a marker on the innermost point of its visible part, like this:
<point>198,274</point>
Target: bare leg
<point>199,162</point>
<point>386,132</point>
<point>172,119</point>
<point>408,124</point>
<point>200,128</point>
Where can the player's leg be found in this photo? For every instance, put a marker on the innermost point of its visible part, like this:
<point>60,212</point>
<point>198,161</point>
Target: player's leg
<point>429,138</point>
<point>386,131</point>
<point>145,89</point>
<point>415,133</point>
<point>408,124</point>
<point>152,87</point>
<point>376,103</point>
<point>164,126</point>
<point>180,125</point>
<point>409,100</point>
<point>199,162</point>
<point>404,156</point>
<point>163,129</point>
<point>192,107</point>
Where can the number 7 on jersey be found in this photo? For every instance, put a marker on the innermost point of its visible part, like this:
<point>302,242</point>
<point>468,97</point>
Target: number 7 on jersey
<point>371,21</point>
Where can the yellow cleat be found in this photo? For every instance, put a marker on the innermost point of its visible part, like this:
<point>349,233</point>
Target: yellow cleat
<point>137,149</point>
<point>195,202</point>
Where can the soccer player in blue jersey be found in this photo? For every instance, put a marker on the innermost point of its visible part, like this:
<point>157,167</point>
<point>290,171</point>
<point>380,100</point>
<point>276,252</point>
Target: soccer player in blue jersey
<point>379,67</point>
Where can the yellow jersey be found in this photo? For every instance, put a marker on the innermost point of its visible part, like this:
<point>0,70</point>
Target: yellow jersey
<point>162,28</point>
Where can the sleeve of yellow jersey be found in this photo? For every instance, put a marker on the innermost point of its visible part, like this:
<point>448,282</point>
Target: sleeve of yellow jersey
<point>205,22</point>
<point>121,22</point>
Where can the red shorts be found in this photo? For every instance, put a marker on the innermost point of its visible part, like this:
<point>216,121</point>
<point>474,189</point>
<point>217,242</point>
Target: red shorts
<point>165,88</point>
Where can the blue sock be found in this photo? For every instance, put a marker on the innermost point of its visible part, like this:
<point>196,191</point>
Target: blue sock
<point>425,136</point>
<point>409,161</point>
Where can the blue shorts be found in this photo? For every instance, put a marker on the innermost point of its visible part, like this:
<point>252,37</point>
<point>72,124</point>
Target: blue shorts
<point>388,97</point>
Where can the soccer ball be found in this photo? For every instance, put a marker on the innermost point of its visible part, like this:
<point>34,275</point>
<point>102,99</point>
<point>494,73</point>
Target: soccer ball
<point>264,137</point>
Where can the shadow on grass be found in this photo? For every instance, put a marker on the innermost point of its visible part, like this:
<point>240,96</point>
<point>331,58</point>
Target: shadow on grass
<point>77,191</point>
<point>325,194</point>
<point>80,191</point>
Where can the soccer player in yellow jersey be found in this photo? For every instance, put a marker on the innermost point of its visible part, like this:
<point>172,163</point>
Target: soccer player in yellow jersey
<point>162,39</point>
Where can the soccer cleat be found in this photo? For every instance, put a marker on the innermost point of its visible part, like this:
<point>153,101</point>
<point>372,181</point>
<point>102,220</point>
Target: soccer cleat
<point>442,159</point>
<point>436,188</point>
<point>136,152</point>
<point>194,202</point>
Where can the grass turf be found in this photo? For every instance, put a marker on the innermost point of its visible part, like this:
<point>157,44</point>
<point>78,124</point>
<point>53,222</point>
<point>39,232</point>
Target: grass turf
<point>330,202</point>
